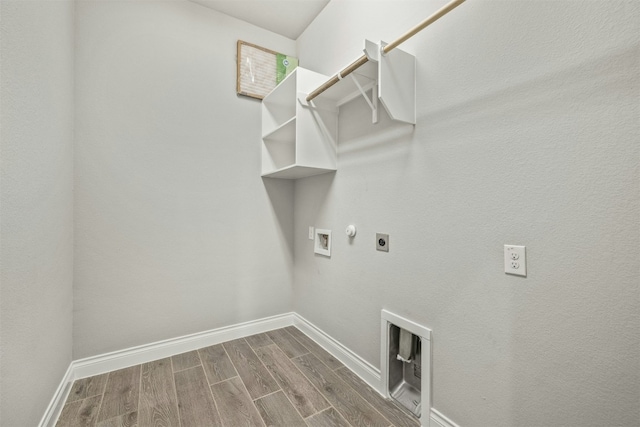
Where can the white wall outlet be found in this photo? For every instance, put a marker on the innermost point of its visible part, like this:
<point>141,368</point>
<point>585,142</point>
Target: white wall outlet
<point>311,233</point>
<point>515,260</point>
<point>322,245</point>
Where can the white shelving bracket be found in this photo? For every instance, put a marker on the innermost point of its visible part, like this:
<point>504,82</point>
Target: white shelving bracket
<point>397,84</point>
<point>302,99</point>
<point>373,102</point>
<point>372,50</point>
<point>300,116</point>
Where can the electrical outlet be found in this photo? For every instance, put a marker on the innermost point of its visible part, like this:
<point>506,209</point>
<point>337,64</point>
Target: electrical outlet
<point>382,242</point>
<point>515,260</point>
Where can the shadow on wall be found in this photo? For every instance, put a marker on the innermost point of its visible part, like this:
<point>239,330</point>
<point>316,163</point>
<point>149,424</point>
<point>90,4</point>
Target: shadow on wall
<point>280,192</point>
<point>362,142</point>
<point>321,187</point>
<point>314,201</point>
<point>577,84</point>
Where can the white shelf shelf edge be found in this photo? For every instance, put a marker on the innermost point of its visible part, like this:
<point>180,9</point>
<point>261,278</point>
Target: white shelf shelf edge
<point>284,132</point>
<point>296,172</point>
<point>297,141</point>
<point>300,137</point>
<point>281,94</point>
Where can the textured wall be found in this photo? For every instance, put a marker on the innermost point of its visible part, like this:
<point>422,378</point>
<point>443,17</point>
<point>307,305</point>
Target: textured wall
<point>527,134</point>
<point>36,205</point>
<point>175,230</point>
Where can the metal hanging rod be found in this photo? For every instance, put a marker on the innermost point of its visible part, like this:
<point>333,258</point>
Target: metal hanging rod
<point>388,48</point>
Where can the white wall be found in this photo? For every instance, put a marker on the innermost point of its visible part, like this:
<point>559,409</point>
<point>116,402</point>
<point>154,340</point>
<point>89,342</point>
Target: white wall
<point>527,134</point>
<point>36,205</point>
<point>175,230</point>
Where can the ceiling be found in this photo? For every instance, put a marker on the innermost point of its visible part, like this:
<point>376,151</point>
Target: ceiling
<point>285,17</point>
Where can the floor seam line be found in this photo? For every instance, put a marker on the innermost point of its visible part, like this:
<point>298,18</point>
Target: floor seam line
<point>175,392</point>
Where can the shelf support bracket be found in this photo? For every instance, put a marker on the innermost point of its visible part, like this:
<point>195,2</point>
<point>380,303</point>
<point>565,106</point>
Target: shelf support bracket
<point>371,51</point>
<point>373,102</point>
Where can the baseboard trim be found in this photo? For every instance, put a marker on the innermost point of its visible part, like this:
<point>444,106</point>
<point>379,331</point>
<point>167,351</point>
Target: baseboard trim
<point>438,420</point>
<point>369,373</point>
<point>120,359</point>
<point>54,409</point>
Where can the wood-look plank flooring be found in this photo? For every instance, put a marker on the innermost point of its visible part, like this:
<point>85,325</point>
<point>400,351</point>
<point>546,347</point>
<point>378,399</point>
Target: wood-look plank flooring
<point>278,378</point>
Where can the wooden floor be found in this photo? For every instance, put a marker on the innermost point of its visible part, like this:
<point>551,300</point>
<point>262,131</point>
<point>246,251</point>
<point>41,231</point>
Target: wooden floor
<point>279,378</point>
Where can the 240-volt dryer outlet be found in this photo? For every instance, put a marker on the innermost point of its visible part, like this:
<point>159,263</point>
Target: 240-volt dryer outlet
<point>382,242</point>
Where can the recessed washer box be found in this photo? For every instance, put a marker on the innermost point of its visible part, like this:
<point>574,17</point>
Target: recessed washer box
<point>322,243</point>
<point>408,382</point>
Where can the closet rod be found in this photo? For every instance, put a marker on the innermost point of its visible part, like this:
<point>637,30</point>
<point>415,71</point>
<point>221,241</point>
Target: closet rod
<point>388,48</point>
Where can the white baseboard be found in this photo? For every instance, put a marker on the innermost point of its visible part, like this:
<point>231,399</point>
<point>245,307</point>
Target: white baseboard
<point>108,362</point>
<point>369,373</point>
<point>52,412</point>
<point>148,352</point>
<point>120,359</point>
<point>438,420</point>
